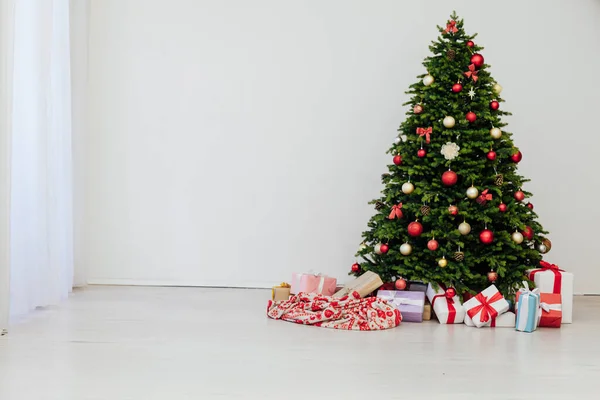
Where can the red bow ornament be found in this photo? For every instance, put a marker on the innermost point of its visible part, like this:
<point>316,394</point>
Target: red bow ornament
<point>451,27</point>
<point>425,132</point>
<point>485,306</point>
<point>472,73</point>
<point>484,197</point>
<point>396,211</point>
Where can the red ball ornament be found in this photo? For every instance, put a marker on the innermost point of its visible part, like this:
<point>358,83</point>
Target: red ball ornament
<point>471,117</point>
<point>492,276</point>
<point>494,105</point>
<point>486,236</point>
<point>518,156</point>
<point>519,195</point>
<point>384,248</point>
<point>502,207</point>
<point>491,155</point>
<point>530,206</point>
<point>449,178</point>
<point>355,267</point>
<point>453,210</point>
<point>433,245</point>
<point>528,233</point>
<point>477,59</point>
<point>450,293</point>
<point>418,109</point>
<point>415,228</point>
<point>400,284</point>
<point>457,88</point>
<point>470,43</point>
<point>421,153</point>
<point>398,159</point>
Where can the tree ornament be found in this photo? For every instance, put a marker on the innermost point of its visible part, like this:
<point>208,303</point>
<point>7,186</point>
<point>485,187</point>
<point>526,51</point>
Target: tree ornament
<point>464,228</point>
<point>519,195</point>
<point>453,210</point>
<point>450,150</point>
<point>425,209</point>
<point>396,211</point>
<point>415,229</point>
<point>397,159</point>
<point>518,156</point>
<point>484,197</point>
<point>499,179</point>
<point>495,133</point>
<point>397,140</point>
<point>400,284</point>
<point>458,256</point>
<point>449,122</point>
<point>517,237</point>
<point>384,248</point>
<point>457,87</point>
<point>472,73</point>
<point>379,205</point>
<point>491,155</point>
<point>492,276</point>
<point>528,233</point>
<point>362,247</point>
<point>377,249</point>
<point>451,27</point>
<point>542,248</point>
<point>486,236</point>
<point>408,188</point>
<point>471,93</point>
<point>442,262</point>
<point>477,59</point>
<point>470,43</point>
<point>471,117</point>
<point>421,153</point>
<point>433,245</point>
<point>450,54</point>
<point>418,109</point>
<point>449,178</point>
<point>494,105</point>
<point>428,80</point>
<point>472,192</point>
<point>450,293</point>
<point>356,267</point>
<point>497,88</point>
<point>547,243</point>
<point>502,207</point>
<point>405,249</point>
<point>530,206</point>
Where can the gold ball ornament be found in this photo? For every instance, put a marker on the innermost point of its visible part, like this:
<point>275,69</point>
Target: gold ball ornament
<point>408,188</point>
<point>449,122</point>
<point>517,237</point>
<point>472,192</point>
<point>428,80</point>
<point>405,249</point>
<point>377,249</point>
<point>464,228</point>
<point>495,133</point>
<point>497,88</point>
<point>362,247</point>
<point>442,262</point>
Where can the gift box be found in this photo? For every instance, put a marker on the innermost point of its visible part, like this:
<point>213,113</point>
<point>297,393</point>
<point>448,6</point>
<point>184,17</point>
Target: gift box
<point>486,305</point>
<point>551,279</point>
<point>364,285</point>
<point>447,310</point>
<point>550,310</point>
<point>281,292</point>
<point>528,310</point>
<point>427,311</point>
<point>311,283</point>
<point>506,320</point>
<point>410,304</point>
<point>416,286</point>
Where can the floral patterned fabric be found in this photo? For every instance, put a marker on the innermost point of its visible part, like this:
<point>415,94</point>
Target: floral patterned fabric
<point>348,312</point>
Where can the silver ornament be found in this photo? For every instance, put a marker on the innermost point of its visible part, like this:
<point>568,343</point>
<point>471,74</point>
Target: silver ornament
<point>464,228</point>
<point>542,248</point>
<point>408,188</point>
<point>405,249</point>
<point>517,237</point>
<point>398,140</point>
<point>472,192</point>
<point>428,80</point>
<point>449,122</point>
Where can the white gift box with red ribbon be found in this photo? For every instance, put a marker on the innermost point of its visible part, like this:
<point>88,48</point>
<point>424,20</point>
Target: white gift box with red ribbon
<point>447,310</point>
<point>551,279</point>
<point>485,306</point>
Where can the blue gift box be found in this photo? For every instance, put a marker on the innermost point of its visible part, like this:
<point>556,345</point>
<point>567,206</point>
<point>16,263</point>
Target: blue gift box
<point>528,310</point>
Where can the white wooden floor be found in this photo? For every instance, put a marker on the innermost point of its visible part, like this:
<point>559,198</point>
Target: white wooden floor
<point>118,343</point>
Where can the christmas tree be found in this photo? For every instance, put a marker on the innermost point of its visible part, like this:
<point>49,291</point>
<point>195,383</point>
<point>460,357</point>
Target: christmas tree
<point>453,209</point>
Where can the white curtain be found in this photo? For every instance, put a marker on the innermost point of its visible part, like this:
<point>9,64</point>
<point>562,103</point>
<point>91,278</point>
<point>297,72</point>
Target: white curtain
<point>41,193</point>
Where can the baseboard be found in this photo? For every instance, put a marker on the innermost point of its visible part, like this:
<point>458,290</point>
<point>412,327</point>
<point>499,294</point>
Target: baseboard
<point>214,284</point>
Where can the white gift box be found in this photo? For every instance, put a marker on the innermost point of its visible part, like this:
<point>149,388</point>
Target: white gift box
<point>487,304</point>
<point>548,281</point>
<point>506,320</point>
<point>448,311</point>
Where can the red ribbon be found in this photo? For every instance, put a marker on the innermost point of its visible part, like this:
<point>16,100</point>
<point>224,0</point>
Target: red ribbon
<point>472,73</point>
<point>484,197</point>
<point>449,301</point>
<point>396,211</point>
<point>485,306</point>
<point>451,27</point>
<point>546,266</point>
<point>425,132</point>
<point>493,324</point>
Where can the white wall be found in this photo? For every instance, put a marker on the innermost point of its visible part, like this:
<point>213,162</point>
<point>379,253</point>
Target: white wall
<point>233,142</point>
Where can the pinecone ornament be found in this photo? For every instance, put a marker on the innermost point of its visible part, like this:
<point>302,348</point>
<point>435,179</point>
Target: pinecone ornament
<point>425,209</point>
<point>499,180</point>
<point>451,54</point>
<point>459,256</point>
<point>379,205</point>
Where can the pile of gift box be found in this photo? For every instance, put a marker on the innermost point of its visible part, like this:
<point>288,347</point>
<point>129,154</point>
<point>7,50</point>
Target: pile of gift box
<point>550,304</point>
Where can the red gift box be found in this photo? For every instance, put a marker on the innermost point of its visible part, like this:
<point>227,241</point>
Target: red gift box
<point>550,309</point>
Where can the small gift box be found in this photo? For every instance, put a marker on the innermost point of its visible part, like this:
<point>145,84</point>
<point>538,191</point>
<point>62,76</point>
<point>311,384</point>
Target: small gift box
<point>427,311</point>
<point>448,310</point>
<point>506,320</point>
<point>486,305</point>
<point>528,309</point>
<point>364,285</point>
<point>410,304</point>
<point>416,286</point>
<point>281,292</point>
<point>550,310</point>
<point>311,283</point>
<point>551,279</point>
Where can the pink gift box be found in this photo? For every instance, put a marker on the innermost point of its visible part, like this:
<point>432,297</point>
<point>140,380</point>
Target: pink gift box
<point>311,283</point>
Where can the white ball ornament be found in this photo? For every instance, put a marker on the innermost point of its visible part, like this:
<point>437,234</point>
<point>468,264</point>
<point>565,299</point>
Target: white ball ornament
<point>378,249</point>
<point>472,192</point>
<point>405,249</point>
<point>408,188</point>
<point>464,228</point>
<point>398,140</point>
<point>542,248</point>
<point>362,247</point>
<point>517,237</point>
<point>428,80</point>
<point>497,88</point>
<point>495,133</point>
<point>449,122</point>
